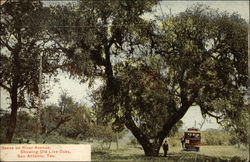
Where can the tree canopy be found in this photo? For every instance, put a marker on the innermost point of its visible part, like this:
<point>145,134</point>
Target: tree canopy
<point>23,44</point>
<point>207,52</point>
<point>196,60</point>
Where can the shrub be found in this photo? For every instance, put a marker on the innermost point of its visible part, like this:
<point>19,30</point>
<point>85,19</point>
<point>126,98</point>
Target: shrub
<point>215,138</point>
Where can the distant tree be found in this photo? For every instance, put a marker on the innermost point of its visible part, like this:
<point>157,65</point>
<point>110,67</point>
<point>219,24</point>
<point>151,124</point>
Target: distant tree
<point>69,119</point>
<point>216,137</point>
<point>81,119</point>
<point>238,127</point>
<point>22,42</point>
<point>104,133</point>
<point>74,120</point>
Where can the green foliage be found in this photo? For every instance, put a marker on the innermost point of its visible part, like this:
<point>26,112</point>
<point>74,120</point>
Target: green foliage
<point>56,138</point>
<point>23,41</point>
<point>3,121</point>
<point>19,55</point>
<point>25,129</point>
<point>136,94</point>
<point>194,62</point>
<point>216,138</point>
<point>81,122</point>
<point>174,141</point>
<point>96,32</point>
<point>69,122</point>
<point>69,118</point>
<point>202,51</point>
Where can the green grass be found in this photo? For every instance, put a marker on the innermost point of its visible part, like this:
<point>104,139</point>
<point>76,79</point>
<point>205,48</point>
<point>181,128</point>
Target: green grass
<point>224,151</point>
<point>135,153</point>
<point>130,152</point>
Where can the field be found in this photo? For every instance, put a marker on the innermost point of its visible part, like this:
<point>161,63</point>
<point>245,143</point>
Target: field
<point>135,153</point>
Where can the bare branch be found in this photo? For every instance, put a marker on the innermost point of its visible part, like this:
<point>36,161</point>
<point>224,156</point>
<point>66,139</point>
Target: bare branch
<point>6,45</point>
<point>217,117</point>
<point>62,121</point>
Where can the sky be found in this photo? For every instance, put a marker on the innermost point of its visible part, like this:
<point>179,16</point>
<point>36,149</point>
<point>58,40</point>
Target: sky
<point>80,92</point>
<point>242,7</point>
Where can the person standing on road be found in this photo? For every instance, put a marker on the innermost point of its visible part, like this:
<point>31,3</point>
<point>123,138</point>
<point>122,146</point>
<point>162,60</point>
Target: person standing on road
<point>165,148</point>
<point>182,142</point>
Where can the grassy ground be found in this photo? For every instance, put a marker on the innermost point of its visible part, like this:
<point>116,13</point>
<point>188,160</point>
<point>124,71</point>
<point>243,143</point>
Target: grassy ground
<point>135,153</point>
<point>224,151</point>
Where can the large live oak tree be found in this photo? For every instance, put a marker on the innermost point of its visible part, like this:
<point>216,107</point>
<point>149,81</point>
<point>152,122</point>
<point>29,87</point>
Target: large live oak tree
<point>143,103</point>
<point>154,72</point>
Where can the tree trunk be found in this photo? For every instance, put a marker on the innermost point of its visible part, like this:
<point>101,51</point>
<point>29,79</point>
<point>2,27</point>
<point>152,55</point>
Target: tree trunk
<point>14,97</point>
<point>117,144</point>
<point>152,150</point>
<point>13,116</point>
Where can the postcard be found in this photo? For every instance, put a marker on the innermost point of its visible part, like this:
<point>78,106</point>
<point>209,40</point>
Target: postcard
<point>123,80</point>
